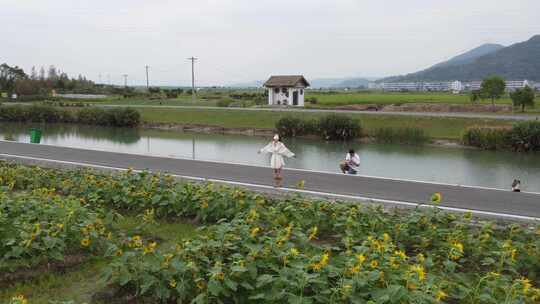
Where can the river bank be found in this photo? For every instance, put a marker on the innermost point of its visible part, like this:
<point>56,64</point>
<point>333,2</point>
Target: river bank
<point>433,163</point>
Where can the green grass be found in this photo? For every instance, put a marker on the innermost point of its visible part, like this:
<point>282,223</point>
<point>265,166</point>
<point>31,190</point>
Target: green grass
<point>183,100</point>
<point>345,98</point>
<point>435,127</point>
<point>326,99</point>
<point>80,283</point>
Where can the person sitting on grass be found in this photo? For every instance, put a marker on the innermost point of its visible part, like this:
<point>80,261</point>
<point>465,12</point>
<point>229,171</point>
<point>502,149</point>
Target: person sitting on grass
<point>352,160</point>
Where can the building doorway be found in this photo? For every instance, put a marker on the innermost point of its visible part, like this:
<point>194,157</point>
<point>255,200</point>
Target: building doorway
<point>295,98</point>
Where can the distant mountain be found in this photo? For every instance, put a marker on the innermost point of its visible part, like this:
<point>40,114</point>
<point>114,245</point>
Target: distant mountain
<point>471,55</point>
<point>324,83</point>
<point>518,61</point>
<point>327,83</point>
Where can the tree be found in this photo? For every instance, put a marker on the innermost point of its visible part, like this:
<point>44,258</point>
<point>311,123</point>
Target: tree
<point>52,73</point>
<point>33,74</point>
<point>476,95</point>
<point>42,74</point>
<point>493,87</point>
<point>523,97</point>
<point>10,75</point>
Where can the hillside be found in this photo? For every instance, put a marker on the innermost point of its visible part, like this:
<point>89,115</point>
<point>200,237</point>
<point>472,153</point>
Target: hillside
<point>471,55</point>
<point>518,61</point>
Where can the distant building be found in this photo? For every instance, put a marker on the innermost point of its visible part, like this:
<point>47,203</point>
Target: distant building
<point>286,90</point>
<point>436,86</point>
<point>511,85</point>
<point>401,86</point>
<point>456,87</point>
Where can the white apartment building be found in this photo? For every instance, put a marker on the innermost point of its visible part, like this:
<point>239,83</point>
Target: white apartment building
<point>511,85</point>
<point>401,86</point>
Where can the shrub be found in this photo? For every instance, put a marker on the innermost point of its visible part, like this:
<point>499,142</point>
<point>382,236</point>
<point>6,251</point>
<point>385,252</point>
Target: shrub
<point>92,116</point>
<point>522,137</point>
<point>12,113</point>
<point>487,138</point>
<point>123,117</point>
<point>117,117</point>
<point>339,127</point>
<point>312,100</point>
<point>525,136</point>
<point>225,102</point>
<point>290,126</point>
<point>413,136</point>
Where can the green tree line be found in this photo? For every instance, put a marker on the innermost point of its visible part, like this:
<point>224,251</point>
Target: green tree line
<point>13,79</point>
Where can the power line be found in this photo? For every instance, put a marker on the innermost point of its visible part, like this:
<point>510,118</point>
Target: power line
<point>192,77</point>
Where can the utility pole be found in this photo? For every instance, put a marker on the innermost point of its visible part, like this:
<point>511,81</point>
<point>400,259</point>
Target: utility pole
<point>147,82</point>
<point>125,80</point>
<point>99,78</point>
<point>109,79</point>
<point>193,59</point>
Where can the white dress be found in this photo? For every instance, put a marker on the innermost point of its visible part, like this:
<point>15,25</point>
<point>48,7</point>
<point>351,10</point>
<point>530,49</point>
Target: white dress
<point>278,150</point>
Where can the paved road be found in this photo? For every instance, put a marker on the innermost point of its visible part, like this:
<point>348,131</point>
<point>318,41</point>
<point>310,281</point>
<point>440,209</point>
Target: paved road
<point>479,199</point>
<point>414,114</point>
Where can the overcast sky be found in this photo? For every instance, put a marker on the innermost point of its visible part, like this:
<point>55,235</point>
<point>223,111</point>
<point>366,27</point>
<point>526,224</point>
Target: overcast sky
<point>244,40</point>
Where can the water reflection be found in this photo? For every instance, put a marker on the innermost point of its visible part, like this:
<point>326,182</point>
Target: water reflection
<point>447,165</point>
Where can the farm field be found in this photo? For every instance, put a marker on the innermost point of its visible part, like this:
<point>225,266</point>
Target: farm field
<point>328,99</point>
<point>435,127</point>
<point>325,99</point>
<point>248,246</point>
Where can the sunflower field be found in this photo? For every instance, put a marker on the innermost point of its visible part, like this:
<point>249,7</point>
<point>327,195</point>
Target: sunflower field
<point>256,248</point>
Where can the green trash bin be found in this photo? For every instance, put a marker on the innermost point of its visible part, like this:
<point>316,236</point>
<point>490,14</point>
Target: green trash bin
<point>35,136</point>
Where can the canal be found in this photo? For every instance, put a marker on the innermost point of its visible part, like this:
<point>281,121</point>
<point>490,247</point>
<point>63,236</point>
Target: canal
<point>426,163</point>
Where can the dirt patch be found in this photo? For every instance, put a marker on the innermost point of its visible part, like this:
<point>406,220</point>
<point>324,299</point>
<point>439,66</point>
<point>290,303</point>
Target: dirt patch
<point>23,274</point>
<point>428,107</point>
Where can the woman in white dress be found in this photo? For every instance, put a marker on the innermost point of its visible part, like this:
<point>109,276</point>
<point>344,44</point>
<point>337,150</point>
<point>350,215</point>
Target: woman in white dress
<point>278,150</point>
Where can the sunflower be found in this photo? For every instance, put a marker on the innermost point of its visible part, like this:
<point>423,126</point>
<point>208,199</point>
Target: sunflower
<point>436,198</point>
<point>85,242</point>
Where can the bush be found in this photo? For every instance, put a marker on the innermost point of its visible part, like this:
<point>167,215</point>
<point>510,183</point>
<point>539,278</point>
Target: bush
<point>293,126</point>
<point>522,137</point>
<point>312,100</point>
<point>414,136</point>
<point>92,116</point>
<point>117,117</point>
<point>339,127</point>
<point>225,102</point>
<point>525,136</point>
<point>487,138</point>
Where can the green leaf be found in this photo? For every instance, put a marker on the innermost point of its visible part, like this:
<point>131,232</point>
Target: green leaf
<point>259,296</point>
<point>231,284</point>
<point>264,280</point>
<point>214,287</point>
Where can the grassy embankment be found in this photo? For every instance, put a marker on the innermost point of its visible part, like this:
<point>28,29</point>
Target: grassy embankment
<point>435,127</point>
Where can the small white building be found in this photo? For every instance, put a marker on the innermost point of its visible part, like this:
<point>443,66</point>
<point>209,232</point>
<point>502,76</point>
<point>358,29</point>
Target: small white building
<point>286,90</point>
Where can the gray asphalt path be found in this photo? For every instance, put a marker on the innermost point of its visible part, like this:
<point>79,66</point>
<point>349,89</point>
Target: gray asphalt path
<point>479,199</point>
<point>300,110</point>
